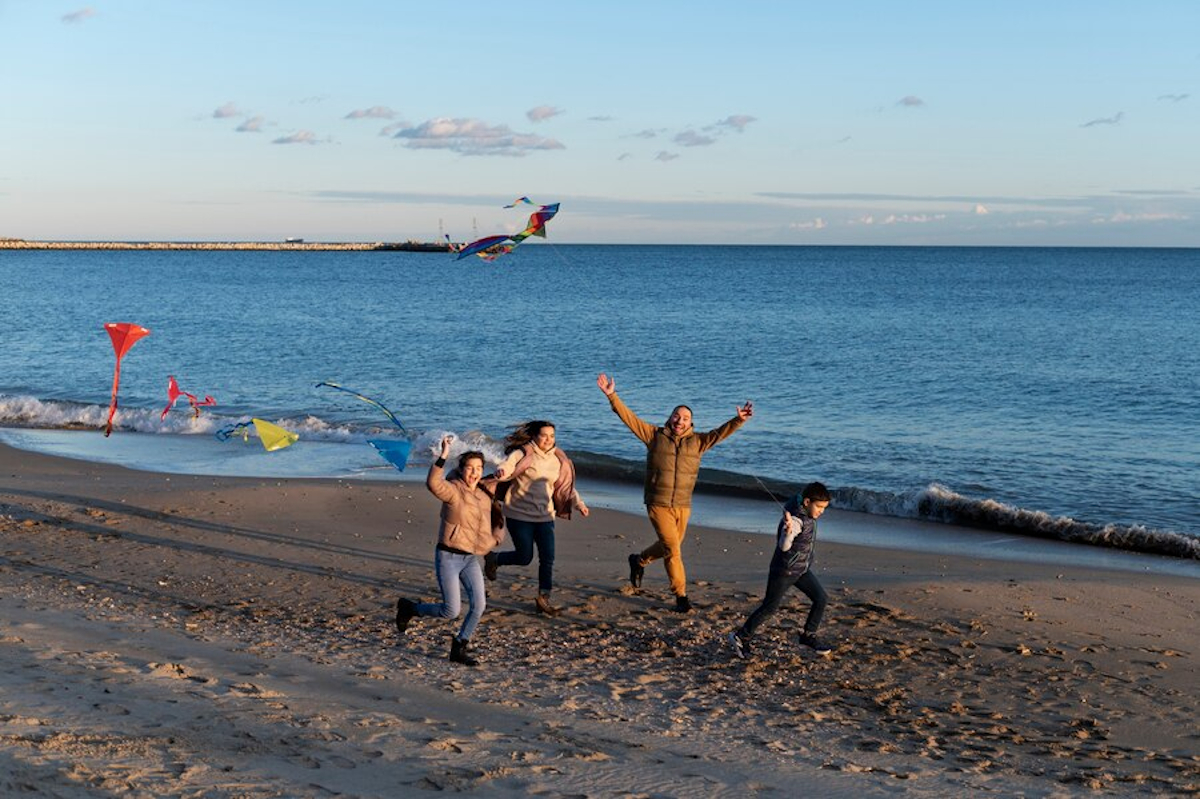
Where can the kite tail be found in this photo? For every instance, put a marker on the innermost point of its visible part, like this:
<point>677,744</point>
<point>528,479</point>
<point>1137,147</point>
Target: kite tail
<point>368,400</point>
<point>112,406</point>
<point>226,433</point>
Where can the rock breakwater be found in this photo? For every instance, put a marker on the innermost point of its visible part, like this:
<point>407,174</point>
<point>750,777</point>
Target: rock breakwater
<point>412,246</point>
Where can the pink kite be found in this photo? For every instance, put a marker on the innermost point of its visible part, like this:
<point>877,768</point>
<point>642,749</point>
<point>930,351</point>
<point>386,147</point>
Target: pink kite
<point>124,335</point>
<point>174,393</point>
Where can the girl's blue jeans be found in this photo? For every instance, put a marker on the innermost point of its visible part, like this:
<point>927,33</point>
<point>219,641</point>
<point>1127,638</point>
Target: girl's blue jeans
<point>455,570</point>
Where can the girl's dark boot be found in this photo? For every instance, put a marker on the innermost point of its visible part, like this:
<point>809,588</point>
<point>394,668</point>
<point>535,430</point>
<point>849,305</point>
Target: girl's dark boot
<point>458,653</point>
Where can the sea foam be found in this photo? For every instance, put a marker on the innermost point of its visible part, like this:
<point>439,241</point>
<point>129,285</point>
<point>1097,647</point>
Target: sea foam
<point>938,503</point>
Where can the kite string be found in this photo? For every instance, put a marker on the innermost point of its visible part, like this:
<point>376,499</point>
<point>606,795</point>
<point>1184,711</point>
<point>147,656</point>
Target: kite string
<point>563,258</point>
<point>769,493</point>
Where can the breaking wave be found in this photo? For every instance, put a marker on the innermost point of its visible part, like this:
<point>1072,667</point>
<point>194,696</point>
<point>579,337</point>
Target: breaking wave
<point>23,411</point>
<point>938,503</point>
<point>31,412</point>
<point>934,502</point>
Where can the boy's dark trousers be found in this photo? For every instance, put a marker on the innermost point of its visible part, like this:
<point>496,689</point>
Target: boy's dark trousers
<point>777,586</point>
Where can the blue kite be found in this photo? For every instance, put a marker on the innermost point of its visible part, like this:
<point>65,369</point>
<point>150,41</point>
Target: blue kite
<point>391,450</point>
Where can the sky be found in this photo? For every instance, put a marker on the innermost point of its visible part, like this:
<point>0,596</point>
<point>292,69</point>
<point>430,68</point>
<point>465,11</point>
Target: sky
<point>789,123</point>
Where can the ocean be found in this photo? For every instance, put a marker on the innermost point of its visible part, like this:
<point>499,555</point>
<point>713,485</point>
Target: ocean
<point>1043,392</point>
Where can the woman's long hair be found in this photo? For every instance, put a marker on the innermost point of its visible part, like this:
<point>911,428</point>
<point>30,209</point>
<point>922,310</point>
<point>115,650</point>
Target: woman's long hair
<point>524,434</point>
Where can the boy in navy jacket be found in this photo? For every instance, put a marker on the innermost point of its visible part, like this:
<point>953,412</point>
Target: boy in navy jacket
<point>791,565</point>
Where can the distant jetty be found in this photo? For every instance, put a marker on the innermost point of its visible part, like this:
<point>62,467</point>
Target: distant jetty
<point>288,246</point>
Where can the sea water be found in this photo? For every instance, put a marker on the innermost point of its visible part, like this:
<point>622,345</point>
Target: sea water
<point>1046,392</point>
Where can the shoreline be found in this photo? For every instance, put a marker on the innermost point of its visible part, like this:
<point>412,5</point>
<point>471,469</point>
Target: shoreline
<point>220,635</point>
<point>726,500</point>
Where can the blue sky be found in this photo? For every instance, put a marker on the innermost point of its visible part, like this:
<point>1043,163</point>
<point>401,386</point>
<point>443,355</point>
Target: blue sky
<point>1016,123</point>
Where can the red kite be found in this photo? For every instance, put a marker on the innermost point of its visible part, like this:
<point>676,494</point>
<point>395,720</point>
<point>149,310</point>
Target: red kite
<point>174,393</point>
<point>124,335</point>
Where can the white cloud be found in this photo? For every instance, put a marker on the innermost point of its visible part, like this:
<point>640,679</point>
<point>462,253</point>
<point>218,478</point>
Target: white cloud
<point>473,137</point>
<point>981,210</point>
<point>648,133</point>
<point>911,219</point>
<point>910,101</point>
<point>690,138</point>
<point>897,219</point>
<point>374,112</point>
<point>1121,217</point>
<point>664,156</point>
<point>1113,120</point>
<point>251,125</point>
<point>226,111</point>
<point>542,113</point>
<point>737,122</point>
<point>624,156</point>
<point>79,16</point>
<point>816,224</point>
<point>300,137</point>
<point>1175,98</point>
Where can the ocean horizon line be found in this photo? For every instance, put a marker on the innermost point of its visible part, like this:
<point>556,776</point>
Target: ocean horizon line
<point>383,245</point>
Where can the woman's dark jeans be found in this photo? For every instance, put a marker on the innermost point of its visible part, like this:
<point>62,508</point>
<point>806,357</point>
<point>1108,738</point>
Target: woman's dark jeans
<point>525,536</point>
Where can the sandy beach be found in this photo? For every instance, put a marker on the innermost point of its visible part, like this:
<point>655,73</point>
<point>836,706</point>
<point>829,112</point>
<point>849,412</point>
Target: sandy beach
<point>167,635</point>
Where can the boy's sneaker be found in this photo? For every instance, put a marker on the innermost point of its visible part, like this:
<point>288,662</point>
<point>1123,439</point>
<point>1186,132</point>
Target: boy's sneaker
<point>636,570</point>
<point>815,644</point>
<point>741,646</point>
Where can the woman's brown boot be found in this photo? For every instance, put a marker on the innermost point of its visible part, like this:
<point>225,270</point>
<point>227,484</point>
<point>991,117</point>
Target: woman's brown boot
<point>544,606</point>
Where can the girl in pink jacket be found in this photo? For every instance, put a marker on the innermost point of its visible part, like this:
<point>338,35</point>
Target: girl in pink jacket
<point>465,535</point>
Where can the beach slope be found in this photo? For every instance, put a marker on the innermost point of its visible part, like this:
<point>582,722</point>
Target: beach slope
<point>166,635</point>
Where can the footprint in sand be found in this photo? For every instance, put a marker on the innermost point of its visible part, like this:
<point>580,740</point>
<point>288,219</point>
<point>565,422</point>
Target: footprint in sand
<point>23,721</point>
<point>455,780</point>
<point>250,689</point>
<point>176,671</point>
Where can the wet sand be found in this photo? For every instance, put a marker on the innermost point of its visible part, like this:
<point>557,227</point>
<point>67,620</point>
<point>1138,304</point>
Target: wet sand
<point>168,635</point>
